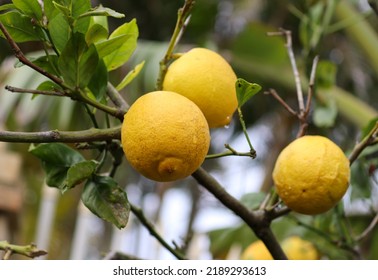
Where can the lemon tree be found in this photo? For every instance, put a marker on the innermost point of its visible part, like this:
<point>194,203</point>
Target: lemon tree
<point>165,136</point>
<point>311,174</point>
<point>207,79</point>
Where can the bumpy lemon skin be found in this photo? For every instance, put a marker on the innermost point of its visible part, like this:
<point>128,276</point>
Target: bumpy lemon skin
<point>165,136</point>
<point>311,175</point>
<point>207,79</point>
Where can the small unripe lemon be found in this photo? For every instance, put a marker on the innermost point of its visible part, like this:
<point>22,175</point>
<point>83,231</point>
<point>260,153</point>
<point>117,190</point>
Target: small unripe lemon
<point>165,136</point>
<point>311,175</point>
<point>207,79</point>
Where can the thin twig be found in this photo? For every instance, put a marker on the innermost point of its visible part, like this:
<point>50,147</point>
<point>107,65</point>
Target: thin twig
<point>231,152</point>
<point>289,46</point>
<point>89,135</point>
<point>20,55</point>
<point>274,93</point>
<point>30,250</point>
<point>151,229</point>
<point>304,109</point>
<point>34,91</point>
<point>371,226</point>
<point>117,98</point>
<point>367,141</point>
<point>311,84</point>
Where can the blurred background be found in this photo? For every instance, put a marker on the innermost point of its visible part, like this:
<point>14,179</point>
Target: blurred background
<point>343,34</point>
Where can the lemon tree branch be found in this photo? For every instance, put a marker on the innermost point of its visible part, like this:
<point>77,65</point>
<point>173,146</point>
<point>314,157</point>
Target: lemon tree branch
<point>20,55</point>
<point>30,250</point>
<point>258,221</point>
<point>89,135</point>
<point>369,139</point>
<point>117,98</point>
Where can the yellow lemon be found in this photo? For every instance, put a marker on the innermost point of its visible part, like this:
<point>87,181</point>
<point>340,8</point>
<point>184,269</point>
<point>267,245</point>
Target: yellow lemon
<point>165,136</point>
<point>294,247</point>
<point>256,251</point>
<point>208,80</point>
<point>311,175</point>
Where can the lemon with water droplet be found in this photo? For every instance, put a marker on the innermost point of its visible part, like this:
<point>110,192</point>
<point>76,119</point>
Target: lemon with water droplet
<point>207,79</point>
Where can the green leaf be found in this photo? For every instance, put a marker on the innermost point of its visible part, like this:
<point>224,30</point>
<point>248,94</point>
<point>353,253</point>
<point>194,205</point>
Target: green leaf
<point>252,200</point>
<point>80,7</point>
<point>77,61</point>
<point>49,86</point>
<point>130,76</point>
<point>221,240</point>
<point>102,11</point>
<point>20,28</point>
<point>245,90</point>
<point>99,81</point>
<point>48,63</point>
<point>29,7</point>
<point>60,31</point>
<point>107,200</point>
<point>49,9</point>
<point>65,10</point>
<point>98,30</point>
<point>7,7</point>
<point>360,180</point>
<point>367,129</point>
<point>325,116</point>
<point>326,74</point>
<point>96,33</point>
<point>107,47</point>
<point>119,56</point>
<point>78,173</point>
<point>56,159</point>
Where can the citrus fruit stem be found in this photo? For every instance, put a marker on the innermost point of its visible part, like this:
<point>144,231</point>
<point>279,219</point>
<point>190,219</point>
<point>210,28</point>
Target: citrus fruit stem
<point>252,150</point>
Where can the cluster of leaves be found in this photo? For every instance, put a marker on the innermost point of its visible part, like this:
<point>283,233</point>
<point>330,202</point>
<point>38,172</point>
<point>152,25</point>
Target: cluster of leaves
<point>79,53</point>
